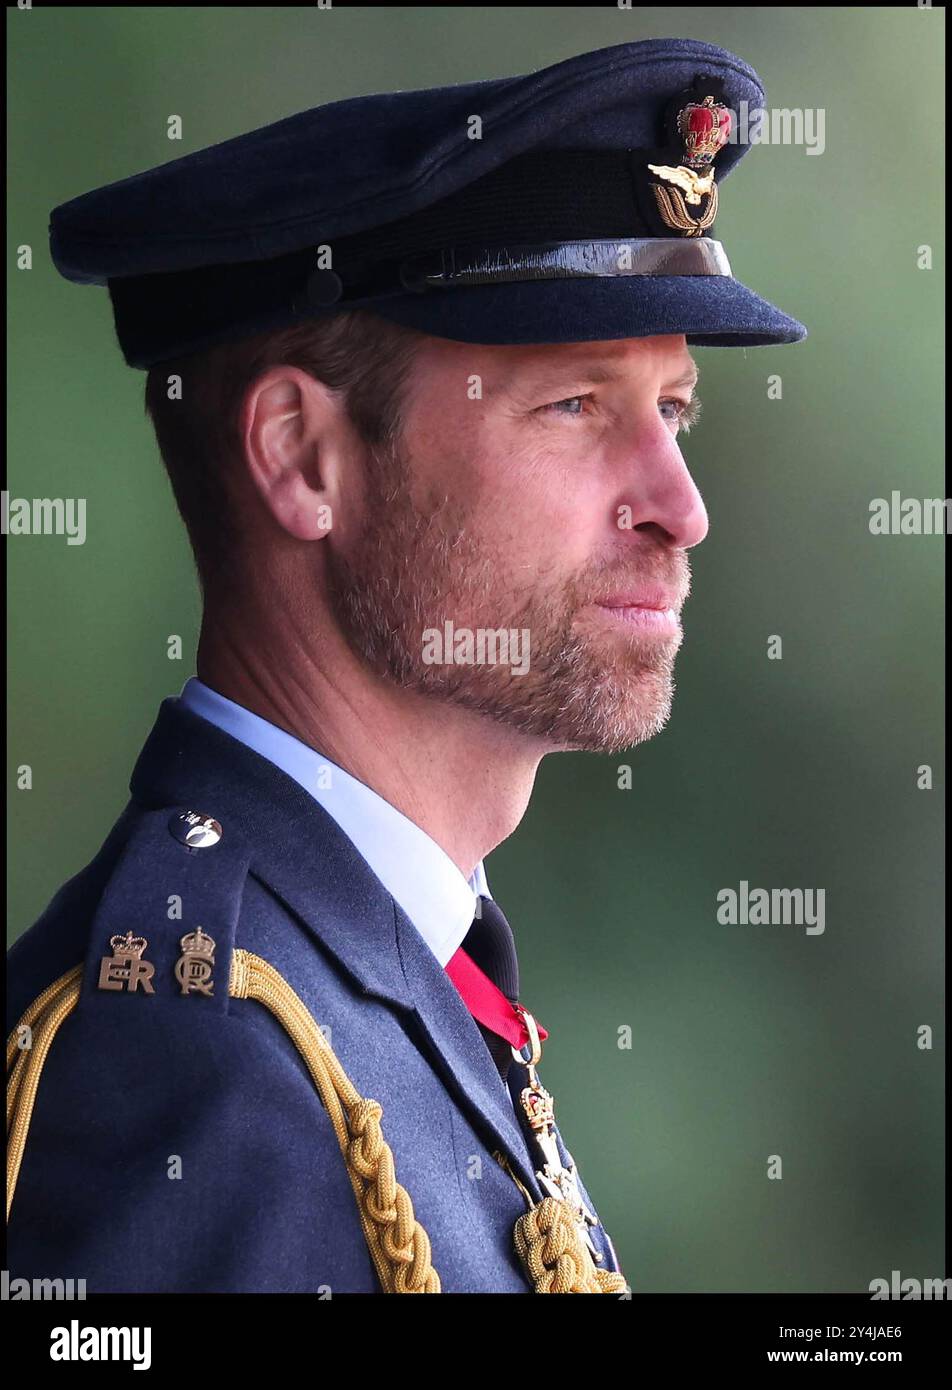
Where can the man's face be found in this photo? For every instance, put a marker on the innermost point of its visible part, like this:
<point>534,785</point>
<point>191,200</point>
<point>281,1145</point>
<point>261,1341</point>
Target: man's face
<point>555,503</point>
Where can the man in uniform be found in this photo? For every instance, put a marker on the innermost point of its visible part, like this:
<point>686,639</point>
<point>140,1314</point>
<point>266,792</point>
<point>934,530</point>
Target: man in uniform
<point>417,366</point>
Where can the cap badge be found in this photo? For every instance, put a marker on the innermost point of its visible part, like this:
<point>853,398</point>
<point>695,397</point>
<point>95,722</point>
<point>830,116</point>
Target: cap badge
<point>704,128</point>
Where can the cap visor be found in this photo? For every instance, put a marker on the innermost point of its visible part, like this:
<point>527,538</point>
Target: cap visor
<point>710,310</point>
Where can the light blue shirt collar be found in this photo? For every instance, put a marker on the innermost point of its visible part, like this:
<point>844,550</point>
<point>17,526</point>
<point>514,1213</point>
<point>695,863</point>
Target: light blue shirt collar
<point>412,867</point>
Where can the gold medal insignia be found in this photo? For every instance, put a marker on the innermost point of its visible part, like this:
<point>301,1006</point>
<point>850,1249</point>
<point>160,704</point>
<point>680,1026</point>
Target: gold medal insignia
<point>539,1108</point>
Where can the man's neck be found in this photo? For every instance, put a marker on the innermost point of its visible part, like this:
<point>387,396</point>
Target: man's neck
<point>461,777</point>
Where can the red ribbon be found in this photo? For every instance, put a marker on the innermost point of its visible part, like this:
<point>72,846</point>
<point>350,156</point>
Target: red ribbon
<point>487,1003</point>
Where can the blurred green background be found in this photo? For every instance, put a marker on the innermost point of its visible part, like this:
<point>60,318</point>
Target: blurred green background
<point>747,1041</point>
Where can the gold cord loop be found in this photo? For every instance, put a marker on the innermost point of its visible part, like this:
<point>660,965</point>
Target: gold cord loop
<point>24,1064</point>
<point>546,1238</point>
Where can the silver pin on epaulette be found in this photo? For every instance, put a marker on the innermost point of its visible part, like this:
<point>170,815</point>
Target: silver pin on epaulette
<point>195,830</point>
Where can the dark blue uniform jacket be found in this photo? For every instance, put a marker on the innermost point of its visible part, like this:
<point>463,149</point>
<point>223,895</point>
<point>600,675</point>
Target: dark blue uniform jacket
<point>178,1142</point>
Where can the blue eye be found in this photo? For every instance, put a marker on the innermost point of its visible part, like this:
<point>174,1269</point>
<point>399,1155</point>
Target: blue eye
<point>567,401</point>
<point>685,412</point>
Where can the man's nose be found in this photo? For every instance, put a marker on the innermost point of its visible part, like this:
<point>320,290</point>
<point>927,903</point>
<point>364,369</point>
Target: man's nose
<point>660,494</point>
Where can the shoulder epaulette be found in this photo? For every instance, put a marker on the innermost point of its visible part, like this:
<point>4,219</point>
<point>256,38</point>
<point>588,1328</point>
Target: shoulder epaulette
<point>163,934</point>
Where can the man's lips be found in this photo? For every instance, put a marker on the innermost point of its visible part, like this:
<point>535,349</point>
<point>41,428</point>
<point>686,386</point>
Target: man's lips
<point>649,611</point>
<point>656,599</point>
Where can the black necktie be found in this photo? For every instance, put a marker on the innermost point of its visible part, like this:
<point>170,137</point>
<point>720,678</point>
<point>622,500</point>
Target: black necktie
<point>490,943</point>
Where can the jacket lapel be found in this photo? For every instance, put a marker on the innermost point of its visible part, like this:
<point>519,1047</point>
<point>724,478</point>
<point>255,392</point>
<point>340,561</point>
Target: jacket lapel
<point>307,861</point>
<point>459,1049</point>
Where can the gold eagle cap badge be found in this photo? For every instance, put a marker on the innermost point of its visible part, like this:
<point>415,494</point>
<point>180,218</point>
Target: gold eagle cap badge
<point>704,127</point>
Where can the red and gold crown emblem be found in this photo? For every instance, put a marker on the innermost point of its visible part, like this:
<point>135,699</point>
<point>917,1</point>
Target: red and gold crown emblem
<point>705,128</point>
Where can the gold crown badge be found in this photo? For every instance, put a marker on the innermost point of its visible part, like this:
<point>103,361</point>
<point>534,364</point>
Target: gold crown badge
<point>129,944</point>
<point>198,944</point>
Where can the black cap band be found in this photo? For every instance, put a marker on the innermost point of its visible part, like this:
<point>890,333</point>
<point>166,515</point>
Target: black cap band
<point>566,260</point>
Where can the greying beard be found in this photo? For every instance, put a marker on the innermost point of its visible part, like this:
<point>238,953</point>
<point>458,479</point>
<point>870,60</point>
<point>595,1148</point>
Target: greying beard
<point>412,570</point>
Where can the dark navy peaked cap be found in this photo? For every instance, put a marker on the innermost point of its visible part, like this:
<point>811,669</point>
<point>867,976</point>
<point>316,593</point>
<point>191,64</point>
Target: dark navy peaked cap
<point>572,204</point>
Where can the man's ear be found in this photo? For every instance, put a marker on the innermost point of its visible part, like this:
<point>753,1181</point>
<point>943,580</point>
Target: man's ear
<point>292,436</point>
